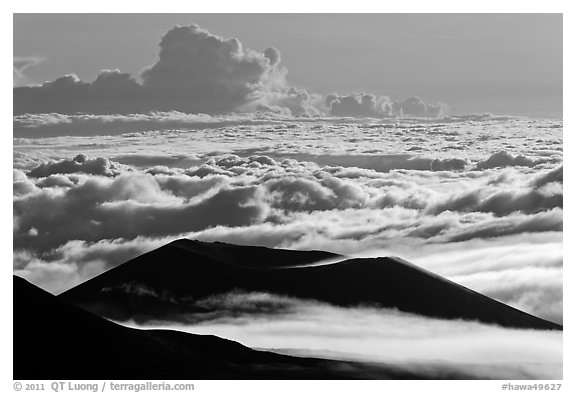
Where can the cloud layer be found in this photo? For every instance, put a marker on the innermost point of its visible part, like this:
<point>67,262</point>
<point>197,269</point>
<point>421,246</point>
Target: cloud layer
<point>67,211</point>
<point>310,328</point>
<point>258,189</point>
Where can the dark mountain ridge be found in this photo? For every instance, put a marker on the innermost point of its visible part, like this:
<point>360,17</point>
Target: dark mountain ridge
<point>56,340</point>
<point>159,285</point>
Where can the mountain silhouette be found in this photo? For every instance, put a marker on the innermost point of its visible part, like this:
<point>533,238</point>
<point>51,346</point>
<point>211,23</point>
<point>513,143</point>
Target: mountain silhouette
<point>161,284</point>
<point>56,340</point>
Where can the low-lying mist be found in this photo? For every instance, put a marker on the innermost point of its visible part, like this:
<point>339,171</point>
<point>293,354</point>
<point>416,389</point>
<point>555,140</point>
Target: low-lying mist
<point>307,328</point>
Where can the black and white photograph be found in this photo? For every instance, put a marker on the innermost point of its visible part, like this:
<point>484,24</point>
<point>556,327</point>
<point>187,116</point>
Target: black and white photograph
<point>288,196</point>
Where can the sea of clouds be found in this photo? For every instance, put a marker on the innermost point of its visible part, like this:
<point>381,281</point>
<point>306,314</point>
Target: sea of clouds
<point>212,142</point>
<point>489,216</point>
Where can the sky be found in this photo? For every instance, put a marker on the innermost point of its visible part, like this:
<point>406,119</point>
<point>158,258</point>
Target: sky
<point>474,63</point>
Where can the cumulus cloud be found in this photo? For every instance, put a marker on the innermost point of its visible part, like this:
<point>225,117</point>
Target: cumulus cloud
<point>93,210</point>
<point>554,176</point>
<point>502,202</point>
<point>199,72</point>
<point>212,73</point>
<point>540,222</point>
<point>196,72</point>
<point>385,162</point>
<point>415,106</point>
<point>21,185</point>
<point>370,105</point>
<point>112,91</point>
<point>189,187</point>
<point>79,164</point>
<point>61,199</point>
<point>359,105</point>
<point>297,194</point>
<point>504,159</point>
<point>290,101</point>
